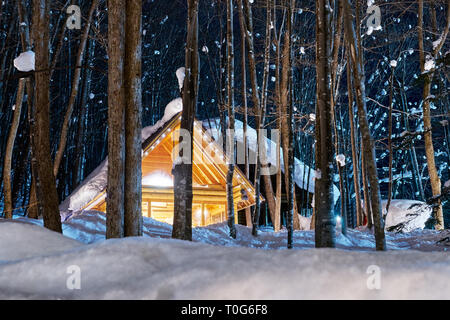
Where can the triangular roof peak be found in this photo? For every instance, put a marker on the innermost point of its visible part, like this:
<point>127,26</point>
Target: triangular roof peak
<point>210,166</point>
<point>157,157</point>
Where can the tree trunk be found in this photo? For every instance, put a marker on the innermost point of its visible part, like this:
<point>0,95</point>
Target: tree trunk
<point>355,158</point>
<point>133,120</point>
<point>276,223</point>
<point>367,141</point>
<point>8,208</point>
<point>290,164</point>
<point>231,140</point>
<point>412,150</point>
<point>182,221</point>
<point>270,199</point>
<point>83,112</point>
<point>435,181</point>
<point>391,156</point>
<point>74,92</point>
<point>270,196</point>
<point>245,14</point>
<point>277,216</point>
<point>26,40</point>
<point>324,221</point>
<point>335,44</point>
<point>46,184</point>
<point>366,191</point>
<point>116,115</point>
<point>284,104</point>
<point>248,214</point>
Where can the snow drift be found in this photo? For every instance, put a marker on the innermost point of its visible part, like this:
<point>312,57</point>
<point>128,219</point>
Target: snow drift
<point>157,268</point>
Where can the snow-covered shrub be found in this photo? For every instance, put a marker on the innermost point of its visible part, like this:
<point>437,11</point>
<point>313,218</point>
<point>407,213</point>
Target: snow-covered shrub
<point>406,215</point>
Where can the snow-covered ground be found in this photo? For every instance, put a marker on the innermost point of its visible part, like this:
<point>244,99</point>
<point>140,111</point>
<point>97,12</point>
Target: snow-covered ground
<point>38,263</point>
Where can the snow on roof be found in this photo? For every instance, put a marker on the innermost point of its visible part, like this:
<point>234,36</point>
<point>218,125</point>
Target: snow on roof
<point>181,73</point>
<point>172,109</point>
<point>96,182</point>
<point>300,171</point>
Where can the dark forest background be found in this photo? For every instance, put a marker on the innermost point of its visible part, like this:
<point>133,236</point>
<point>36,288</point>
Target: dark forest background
<point>164,33</point>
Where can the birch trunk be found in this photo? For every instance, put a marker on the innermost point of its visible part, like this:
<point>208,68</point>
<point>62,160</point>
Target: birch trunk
<point>284,103</point>
<point>391,156</point>
<point>245,13</point>
<point>290,164</point>
<point>277,220</point>
<point>231,114</point>
<point>248,214</point>
<point>270,199</point>
<point>435,180</point>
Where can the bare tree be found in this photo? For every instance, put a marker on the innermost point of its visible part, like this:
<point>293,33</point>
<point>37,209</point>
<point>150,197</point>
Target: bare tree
<point>182,220</point>
<point>46,184</point>
<point>323,194</point>
<point>245,14</point>
<point>355,62</point>
<point>231,140</point>
<point>428,74</point>
<point>116,116</point>
<point>124,194</point>
<point>8,209</point>
<point>133,119</point>
<point>248,215</point>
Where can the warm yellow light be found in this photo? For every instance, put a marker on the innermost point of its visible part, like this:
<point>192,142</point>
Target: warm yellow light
<point>158,179</point>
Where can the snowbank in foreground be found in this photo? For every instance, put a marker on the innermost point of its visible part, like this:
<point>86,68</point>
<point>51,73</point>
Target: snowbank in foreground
<point>17,244</point>
<point>151,268</point>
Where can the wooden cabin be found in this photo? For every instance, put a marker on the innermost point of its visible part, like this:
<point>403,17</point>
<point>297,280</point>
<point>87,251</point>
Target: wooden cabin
<point>208,175</point>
